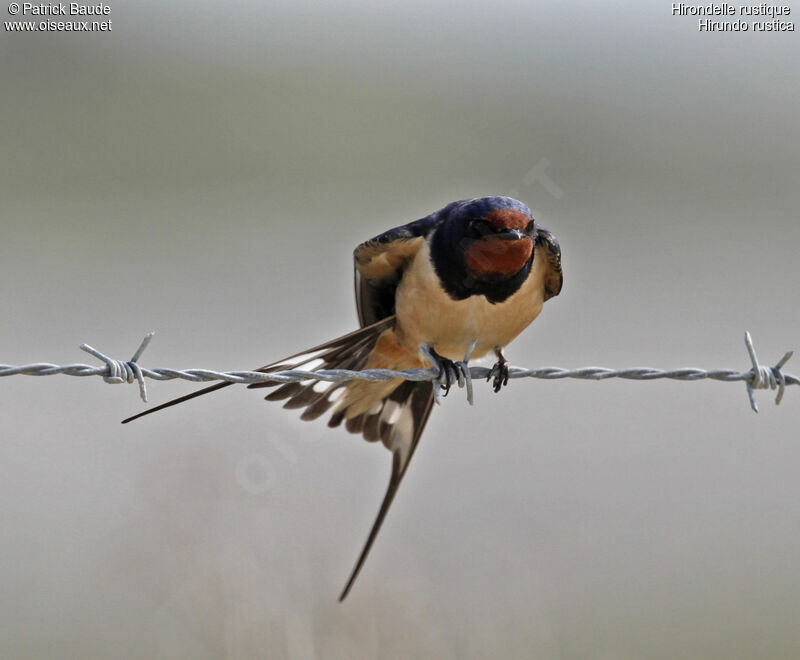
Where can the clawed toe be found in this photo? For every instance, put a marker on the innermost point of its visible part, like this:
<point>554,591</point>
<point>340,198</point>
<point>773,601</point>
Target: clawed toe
<point>452,373</point>
<point>500,374</point>
<point>449,373</point>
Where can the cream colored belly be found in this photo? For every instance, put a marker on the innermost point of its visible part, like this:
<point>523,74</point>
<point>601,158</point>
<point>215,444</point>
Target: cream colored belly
<point>427,315</point>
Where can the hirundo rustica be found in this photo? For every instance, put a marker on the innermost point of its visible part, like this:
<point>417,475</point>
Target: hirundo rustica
<point>475,272</point>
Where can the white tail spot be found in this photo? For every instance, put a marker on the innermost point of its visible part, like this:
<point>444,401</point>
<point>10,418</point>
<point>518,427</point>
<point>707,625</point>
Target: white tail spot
<point>391,412</point>
<point>313,364</point>
<point>337,394</point>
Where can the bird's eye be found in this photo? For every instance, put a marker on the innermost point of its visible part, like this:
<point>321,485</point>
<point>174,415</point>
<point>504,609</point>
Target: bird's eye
<point>478,228</point>
<point>529,228</point>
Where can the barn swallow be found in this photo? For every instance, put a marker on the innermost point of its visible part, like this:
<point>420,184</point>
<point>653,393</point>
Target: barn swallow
<point>473,274</point>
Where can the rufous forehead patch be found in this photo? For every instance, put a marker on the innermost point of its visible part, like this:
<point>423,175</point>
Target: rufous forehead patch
<point>489,255</point>
<point>508,219</point>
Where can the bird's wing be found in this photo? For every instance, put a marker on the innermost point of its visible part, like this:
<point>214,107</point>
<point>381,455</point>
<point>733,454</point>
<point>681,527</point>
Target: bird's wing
<point>554,278</point>
<point>379,264</point>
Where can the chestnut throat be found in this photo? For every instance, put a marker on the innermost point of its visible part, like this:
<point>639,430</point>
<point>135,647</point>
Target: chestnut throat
<point>461,282</point>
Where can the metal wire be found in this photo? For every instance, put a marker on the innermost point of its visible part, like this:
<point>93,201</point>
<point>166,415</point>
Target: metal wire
<point>117,371</point>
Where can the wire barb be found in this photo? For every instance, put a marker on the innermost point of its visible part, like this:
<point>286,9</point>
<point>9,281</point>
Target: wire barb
<point>438,372</point>
<point>117,371</point>
<point>762,377</point>
<point>123,372</point>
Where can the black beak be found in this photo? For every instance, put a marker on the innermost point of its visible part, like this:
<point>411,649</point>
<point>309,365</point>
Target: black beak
<point>510,234</point>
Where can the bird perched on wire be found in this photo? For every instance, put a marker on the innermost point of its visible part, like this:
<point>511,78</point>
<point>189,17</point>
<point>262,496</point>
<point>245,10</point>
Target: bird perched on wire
<point>465,279</point>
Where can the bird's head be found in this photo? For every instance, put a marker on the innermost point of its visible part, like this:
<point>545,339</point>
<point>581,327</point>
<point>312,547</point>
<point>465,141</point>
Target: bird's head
<point>483,246</point>
<point>493,237</point>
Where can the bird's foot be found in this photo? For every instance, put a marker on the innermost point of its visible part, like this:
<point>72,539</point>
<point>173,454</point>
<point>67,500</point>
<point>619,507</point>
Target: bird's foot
<point>450,371</point>
<point>499,372</point>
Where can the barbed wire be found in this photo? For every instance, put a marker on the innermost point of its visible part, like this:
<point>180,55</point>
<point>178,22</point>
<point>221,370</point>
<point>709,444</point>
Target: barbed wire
<point>129,371</point>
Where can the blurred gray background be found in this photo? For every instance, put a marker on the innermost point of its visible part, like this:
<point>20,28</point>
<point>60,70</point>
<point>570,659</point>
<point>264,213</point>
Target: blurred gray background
<point>206,172</point>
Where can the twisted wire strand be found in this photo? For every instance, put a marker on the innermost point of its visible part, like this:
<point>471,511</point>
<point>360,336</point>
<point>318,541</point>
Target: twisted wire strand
<point>117,371</point>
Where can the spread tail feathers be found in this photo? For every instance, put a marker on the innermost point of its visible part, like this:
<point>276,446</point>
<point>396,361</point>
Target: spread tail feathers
<point>355,342</point>
<point>394,412</point>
